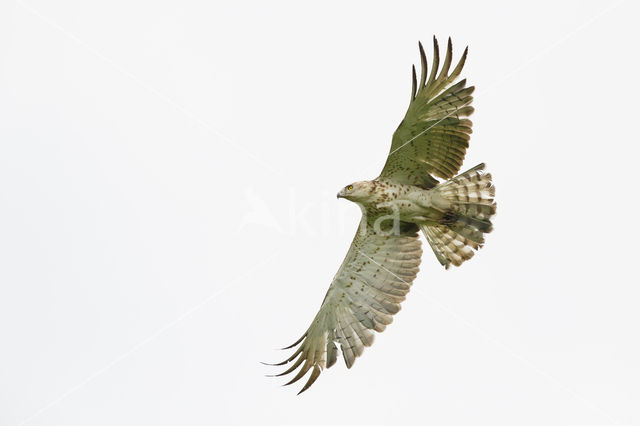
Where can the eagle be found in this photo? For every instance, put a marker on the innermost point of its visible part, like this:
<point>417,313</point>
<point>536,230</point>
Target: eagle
<point>418,190</point>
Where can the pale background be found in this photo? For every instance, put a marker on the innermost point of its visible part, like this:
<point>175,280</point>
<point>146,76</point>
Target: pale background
<point>168,217</point>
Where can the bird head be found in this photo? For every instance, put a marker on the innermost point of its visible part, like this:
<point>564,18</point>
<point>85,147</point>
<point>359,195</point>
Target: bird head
<point>357,191</point>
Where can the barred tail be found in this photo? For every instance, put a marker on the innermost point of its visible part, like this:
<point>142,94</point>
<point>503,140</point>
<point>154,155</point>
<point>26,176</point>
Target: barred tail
<point>462,228</point>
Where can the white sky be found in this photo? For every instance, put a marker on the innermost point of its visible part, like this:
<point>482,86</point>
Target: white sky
<point>168,217</point>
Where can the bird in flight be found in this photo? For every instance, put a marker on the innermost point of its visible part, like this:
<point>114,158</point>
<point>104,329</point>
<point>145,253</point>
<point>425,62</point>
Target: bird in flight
<point>453,213</point>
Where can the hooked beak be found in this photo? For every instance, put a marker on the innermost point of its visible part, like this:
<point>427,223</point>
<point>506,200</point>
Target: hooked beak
<point>338,195</point>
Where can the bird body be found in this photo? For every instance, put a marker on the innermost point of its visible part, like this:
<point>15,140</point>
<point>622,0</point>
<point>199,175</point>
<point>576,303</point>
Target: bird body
<point>407,198</point>
<point>407,203</point>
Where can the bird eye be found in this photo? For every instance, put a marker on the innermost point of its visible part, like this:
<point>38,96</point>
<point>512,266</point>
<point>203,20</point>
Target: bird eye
<point>349,188</point>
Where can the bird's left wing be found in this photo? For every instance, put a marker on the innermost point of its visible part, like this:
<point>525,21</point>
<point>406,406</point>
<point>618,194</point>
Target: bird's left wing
<point>373,279</point>
<point>432,139</point>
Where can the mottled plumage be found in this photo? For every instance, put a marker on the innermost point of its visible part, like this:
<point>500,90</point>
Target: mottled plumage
<point>406,198</point>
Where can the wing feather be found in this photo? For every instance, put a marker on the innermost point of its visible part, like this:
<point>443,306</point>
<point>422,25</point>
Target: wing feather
<point>423,63</point>
<point>436,62</point>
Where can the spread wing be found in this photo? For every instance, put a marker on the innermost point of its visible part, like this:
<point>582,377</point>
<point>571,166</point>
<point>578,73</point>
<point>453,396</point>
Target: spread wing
<point>373,279</point>
<point>433,137</point>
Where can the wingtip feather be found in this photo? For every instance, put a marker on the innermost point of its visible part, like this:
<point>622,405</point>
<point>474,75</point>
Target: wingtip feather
<point>423,64</point>
<point>295,343</point>
<point>413,82</point>
<point>312,378</point>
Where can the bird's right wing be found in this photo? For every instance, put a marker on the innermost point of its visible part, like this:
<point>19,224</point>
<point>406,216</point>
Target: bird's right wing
<point>373,279</point>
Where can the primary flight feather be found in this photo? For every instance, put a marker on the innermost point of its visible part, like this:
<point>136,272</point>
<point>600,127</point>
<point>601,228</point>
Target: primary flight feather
<point>407,197</point>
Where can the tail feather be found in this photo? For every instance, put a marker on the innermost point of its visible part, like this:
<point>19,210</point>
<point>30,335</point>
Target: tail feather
<point>471,196</point>
<point>469,233</point>
<point>449,246</point>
